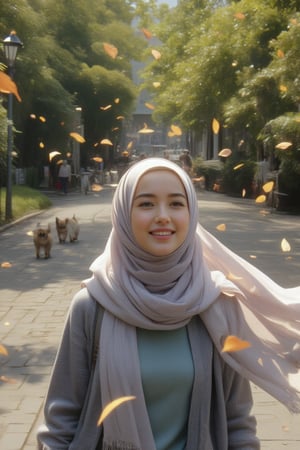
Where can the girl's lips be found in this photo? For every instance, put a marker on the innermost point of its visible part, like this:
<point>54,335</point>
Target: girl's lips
<point>162,233</point>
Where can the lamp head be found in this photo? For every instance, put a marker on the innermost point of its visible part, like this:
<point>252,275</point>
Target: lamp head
<point>11,44</point>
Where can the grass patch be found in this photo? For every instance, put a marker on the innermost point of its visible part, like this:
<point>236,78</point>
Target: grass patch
<point>24,201</point>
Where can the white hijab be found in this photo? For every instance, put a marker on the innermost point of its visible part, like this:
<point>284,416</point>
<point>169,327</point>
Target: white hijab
<point>201,277</point>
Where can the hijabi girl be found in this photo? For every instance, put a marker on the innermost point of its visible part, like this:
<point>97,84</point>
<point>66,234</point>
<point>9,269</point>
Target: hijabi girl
<point>170,297</point>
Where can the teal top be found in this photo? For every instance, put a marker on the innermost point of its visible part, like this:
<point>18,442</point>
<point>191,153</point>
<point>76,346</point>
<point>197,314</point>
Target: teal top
<point>167,372</point>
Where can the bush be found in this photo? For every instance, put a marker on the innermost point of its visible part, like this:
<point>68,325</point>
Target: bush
<point>289,184</point>
<point>24,201</point>
<point>236,180</point>
<point>210,169</point>
<point>32,177</point>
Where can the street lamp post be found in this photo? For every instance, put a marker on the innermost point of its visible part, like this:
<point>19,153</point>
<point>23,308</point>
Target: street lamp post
<point>10,45</point>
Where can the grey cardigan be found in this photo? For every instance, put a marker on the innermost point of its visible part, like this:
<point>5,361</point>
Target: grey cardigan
<point>222,400</point>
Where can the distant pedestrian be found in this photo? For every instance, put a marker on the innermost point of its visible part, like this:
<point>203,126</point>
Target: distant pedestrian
<point>186,161</point>
<point>64,175</point>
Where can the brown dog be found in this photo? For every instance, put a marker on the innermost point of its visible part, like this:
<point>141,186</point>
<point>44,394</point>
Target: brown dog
<point>73,228</point>
<point>42,240</point>
<point>67,227</point>
<point>62,231</point>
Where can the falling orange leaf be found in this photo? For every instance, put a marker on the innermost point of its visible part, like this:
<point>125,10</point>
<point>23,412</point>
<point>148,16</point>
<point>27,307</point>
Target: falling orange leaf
<point>129,145</point>
<point>97,159</point>
<point>235,344</point>
<point>29,233</point>
<point>146,130</point>
<point>156,84</point>
<point>244,193</point>
<point>149,105</point>
<point>171,134</point>
<point>280,53</point>
<point>32,116</point>
<point>8,86</point>
<point>41,145</point>
<point>106,142</point>
<point>239,15</point>
<point>233,277</point>
<point>7,379</point>
<point>215,126</point>
<point>3,350</point>
<point>156,54</point>
<point>283,88</point>
<point>105,108</point>
<point>53,154</point>
<point>260,199</point>
<point>96,188</point>
<point>238,166</point>
<point>77,137</point>
<point>113,405</point>
<point>283,145</point>
<point>285,246</point>
<point>147,33</point>
<point>252,256</point>
<point>268,187</point>
<point>120,117</point>
<point>110,50</point>
<point>225,152</point>
<point>117,100</point>
<point>221,227</point>
<point>176,130</point>
<point>6,265</point>
<point>264,212</point>
<point>42,119</point>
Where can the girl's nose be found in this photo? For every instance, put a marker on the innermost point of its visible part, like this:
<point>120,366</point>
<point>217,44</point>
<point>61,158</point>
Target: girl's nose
<point>162,217</point>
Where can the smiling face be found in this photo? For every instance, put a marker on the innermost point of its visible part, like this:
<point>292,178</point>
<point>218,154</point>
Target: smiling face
<point>160,214</point>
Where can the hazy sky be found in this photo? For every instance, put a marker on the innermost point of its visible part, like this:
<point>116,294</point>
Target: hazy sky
<point>169,2</point>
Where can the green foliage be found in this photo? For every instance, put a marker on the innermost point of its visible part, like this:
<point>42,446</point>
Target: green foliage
<point>212,171</point>
<point>285,129</point>
<point>234,181</point>
<point>32,177</point>
<point>24,201</point>
<point>208,55</point>
<point>62,40</point>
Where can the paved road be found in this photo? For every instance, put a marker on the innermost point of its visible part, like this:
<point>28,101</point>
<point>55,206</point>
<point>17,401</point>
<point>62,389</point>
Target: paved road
<point>35,296</point>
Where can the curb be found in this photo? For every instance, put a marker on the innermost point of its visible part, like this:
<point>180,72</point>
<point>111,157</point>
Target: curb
<point>40,211</point>
<point>21,219</point>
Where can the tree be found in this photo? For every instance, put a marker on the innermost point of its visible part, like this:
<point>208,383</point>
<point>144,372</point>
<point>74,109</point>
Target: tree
<point>63,42</point>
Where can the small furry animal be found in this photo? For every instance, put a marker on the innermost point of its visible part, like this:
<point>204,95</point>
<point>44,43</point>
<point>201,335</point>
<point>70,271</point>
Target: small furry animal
<point>67,227</point>
<point>73,228</point>
<point>42,240</point>
<point>62,231</point>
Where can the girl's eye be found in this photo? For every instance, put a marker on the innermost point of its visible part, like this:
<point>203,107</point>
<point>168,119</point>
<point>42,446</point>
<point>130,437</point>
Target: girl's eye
<point>177,204</point>
<point>145,204</point>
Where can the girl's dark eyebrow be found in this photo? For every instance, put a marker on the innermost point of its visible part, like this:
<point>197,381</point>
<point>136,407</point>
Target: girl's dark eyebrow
<point>145,194</point>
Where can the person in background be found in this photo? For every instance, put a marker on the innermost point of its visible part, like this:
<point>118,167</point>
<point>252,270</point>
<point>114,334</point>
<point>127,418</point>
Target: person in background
<point>186,162</point>
<point>64,175</point>
<point>186,324</point>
